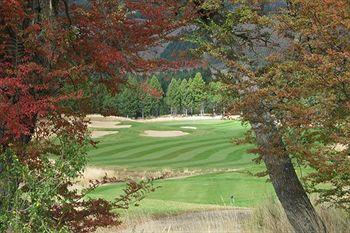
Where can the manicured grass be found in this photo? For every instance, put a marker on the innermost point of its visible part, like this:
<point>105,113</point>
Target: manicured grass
<point>209,148</point>
<point>210,189</point>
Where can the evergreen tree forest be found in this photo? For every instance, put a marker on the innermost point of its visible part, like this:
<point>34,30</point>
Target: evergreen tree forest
<point>183,93</point>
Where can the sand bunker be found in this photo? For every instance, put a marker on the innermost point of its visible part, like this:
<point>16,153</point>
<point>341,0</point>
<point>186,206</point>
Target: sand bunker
<point>98,134</point>
<point>107,125</point>
<point>98,117</point>
<point>163,134</point>
<point>188,127</point>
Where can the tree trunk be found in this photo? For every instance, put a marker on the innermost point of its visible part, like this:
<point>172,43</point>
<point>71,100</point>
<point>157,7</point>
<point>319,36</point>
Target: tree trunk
<point>290,192</point>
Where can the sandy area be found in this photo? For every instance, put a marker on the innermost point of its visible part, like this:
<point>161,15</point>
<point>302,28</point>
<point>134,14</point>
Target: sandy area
<point>107,125</point>
<point>98,117</point>
<point>188,127</point>
<point>98,134</point>
<point>163,134</point>
<point>91,173</point>
<point>94,173</point>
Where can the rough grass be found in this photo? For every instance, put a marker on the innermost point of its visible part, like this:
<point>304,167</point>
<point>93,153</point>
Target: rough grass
<point>218,221</point>
<point>267,218</point>
<point>270,218</point>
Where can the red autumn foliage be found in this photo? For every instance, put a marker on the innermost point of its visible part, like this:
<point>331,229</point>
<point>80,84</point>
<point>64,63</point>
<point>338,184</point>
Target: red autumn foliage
<point>51,53</point>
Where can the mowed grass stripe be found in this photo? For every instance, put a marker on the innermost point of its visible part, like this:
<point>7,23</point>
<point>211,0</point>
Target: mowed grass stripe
<point>207,146</point>
<point>161,153</point>
<point>131,144</point>
<point>126,137</point>
<point>154,146</point>
<point>119,147</point>
<point>208,156</point>
<point>175,155</point>
<point>189,156</point>
<point>235,159</point>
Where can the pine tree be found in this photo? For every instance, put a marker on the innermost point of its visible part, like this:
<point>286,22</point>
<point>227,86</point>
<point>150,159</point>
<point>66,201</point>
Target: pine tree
<point>155,96</point>
<point>198,93</point>
<point>215,96</point>
<point>170,95</point>
<point>185,96</point>
<point>173,97</point>
<point>128,101</point>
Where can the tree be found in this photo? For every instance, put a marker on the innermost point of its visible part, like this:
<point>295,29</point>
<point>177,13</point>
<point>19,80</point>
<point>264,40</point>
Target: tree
<point>154,94</point>
<point>215,96</point>
<point>103,101</point>
<point>173,96</point>
<point>185,96</point>
<point>235,36</point>
<point>52,53</point>
<point>129,99</point>
<point>311,81</point>
<point>198,93</point>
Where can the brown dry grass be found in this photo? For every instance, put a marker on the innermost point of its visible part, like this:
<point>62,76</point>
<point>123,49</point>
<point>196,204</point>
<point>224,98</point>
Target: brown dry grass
<point>207,221</point>
<point>270,218</point>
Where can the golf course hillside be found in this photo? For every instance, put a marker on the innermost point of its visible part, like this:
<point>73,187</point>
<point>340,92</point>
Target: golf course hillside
<point>207,169</point>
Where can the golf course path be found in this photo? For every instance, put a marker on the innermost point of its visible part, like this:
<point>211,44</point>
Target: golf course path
<point>214,221</point>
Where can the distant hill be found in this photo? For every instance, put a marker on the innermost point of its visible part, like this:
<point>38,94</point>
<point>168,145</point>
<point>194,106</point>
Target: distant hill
<point>177,49</point>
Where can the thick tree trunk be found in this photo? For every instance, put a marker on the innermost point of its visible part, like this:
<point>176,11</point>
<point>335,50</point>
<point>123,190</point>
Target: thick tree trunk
<point>296,204</point>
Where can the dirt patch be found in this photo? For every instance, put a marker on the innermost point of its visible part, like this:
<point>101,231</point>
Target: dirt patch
<point>163,134</point>
<point>98,134</point>
<point>188,127</point>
